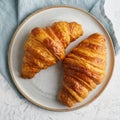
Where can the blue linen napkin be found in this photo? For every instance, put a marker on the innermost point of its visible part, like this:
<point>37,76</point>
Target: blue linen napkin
<point>12,12</point>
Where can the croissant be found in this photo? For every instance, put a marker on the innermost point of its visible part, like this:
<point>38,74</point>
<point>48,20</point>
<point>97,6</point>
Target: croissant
<point>45,46</point>
<point>84,69</point>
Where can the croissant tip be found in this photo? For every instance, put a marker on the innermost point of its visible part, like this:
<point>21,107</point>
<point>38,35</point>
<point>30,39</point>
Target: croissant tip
<point>26,76</point>
<point>35,31</point>
<point>97,34</point>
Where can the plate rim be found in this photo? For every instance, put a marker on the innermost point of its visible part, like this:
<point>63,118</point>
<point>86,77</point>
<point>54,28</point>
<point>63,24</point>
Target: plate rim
<point>30,98</point>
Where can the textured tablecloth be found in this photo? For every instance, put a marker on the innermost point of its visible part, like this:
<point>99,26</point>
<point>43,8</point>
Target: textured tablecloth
<point>105,107</point>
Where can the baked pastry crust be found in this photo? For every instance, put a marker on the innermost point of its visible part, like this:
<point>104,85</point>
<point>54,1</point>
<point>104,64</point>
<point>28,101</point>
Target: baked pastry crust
<point>84,69</point>
<point>45,46</point>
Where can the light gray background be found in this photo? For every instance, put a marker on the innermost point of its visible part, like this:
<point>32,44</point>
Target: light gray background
<point>105,107</point>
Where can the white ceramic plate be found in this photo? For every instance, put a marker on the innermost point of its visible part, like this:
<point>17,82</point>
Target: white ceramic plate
<point>42,90</point>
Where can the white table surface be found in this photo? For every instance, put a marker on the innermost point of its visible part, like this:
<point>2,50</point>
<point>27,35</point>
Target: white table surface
<point>105,107</point>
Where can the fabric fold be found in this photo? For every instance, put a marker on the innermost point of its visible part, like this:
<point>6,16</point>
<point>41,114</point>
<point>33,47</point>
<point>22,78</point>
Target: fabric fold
<point>8,24</point>
<point>99,6</point>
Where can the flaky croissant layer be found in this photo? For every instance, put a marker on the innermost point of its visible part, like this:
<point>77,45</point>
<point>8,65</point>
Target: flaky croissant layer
<point>84,69</point>
<point>45,46</point>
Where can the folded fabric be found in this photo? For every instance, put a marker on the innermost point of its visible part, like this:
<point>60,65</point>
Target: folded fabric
<point>12,12</point>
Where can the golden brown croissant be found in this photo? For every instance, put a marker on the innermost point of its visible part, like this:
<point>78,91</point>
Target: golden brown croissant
<point>45,46</point>
<point>84,68</point>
